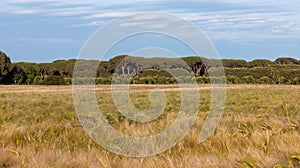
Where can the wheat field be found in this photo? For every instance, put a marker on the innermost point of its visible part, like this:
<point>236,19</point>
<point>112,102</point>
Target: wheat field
<point>260,127</point>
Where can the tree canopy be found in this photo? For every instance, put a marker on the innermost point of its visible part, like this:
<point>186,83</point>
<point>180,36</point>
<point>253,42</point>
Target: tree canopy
<point>61,71</point>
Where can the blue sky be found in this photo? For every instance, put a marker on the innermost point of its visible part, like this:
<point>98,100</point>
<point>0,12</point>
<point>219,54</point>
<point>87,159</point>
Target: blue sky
<point>47,30</point>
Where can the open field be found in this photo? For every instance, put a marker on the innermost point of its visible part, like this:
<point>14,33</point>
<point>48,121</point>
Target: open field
<point>260,127</point>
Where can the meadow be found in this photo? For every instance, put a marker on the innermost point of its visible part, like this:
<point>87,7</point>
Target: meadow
<point>260,127</point>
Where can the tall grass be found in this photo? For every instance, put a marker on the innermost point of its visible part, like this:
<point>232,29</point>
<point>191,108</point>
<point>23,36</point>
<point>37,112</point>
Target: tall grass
<point>260,127</point>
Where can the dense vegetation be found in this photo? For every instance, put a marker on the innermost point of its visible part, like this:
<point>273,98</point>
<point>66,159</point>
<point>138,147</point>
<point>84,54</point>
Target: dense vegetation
<point>281,71</point>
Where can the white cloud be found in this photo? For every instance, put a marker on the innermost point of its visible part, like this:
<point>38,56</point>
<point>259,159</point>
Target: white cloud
<point>107,15</point>
<point>48,40</point>
<point>245,19</point>
<point>25,11</point>
<point>28,1</point>
<point>74,11</point>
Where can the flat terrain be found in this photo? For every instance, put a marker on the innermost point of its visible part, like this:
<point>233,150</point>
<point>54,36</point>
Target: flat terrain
<point>133,88</point>
<point>260,127</point>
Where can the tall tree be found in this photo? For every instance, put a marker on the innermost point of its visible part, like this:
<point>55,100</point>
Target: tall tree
<point>6,69</point>
<point>286,61</point>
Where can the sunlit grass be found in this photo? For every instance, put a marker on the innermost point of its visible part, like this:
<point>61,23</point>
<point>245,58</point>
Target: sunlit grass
<point>260,127</point>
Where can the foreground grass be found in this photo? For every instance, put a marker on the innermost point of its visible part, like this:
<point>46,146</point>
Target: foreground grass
<point>260,127</point>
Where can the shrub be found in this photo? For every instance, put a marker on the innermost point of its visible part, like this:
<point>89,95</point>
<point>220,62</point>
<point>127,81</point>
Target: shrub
<point>249,80</point>
<point>135,80</point>
<point>38,81</point>
<point>203,80</point>
<point>233,80</point>
<point>170,80</point>
<point>296,81</point>
<point>54,80</point>
<point>218,80</point>
<point>265,80</point>
<point>281,80</point>
<point>162,80</point>
<point>68,81</point>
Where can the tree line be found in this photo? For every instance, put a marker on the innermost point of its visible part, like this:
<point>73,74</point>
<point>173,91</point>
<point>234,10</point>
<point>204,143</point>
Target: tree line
<point>150,70</point>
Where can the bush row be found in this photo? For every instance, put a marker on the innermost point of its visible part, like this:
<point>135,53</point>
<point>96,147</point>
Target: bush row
<point>182,79</point>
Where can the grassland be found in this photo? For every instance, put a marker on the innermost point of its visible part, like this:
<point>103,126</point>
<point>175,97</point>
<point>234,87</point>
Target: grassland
<point>260,127</point>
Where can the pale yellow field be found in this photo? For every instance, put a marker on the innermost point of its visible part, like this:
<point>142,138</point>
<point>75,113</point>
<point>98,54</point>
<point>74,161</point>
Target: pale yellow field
<point>260,127</point>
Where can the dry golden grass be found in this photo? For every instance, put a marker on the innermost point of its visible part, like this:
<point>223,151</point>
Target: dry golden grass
<point>260,127</point>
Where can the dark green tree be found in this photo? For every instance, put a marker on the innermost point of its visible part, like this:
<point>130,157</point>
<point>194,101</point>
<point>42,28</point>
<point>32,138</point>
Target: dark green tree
<point>286,61</point>
<point>54,80</point>
<point>261,63</point>
<point>6,69</point>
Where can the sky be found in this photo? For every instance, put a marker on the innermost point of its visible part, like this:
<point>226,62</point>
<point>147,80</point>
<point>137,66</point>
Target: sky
<point>48,30</point>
